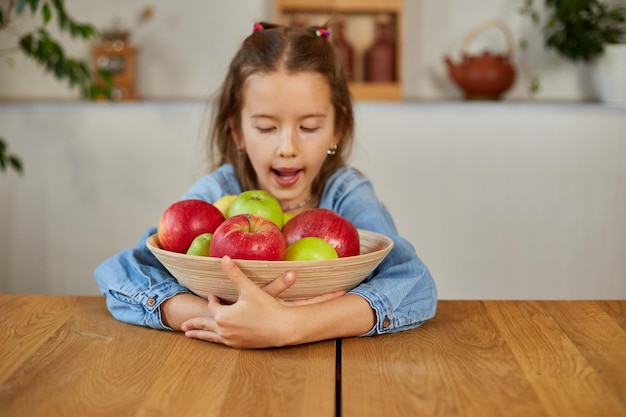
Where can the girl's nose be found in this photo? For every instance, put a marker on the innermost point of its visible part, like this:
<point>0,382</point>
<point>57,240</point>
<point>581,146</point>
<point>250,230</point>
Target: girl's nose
<point>287,147</point>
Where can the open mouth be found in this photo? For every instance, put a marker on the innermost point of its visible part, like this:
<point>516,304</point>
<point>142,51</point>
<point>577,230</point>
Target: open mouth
<point>286,177</point>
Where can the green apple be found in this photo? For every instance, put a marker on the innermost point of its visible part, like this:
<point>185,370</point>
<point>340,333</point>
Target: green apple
<point>201,245</point>
<point>223,203</point>
<point>260,203</point>
<point>310,249</point>
<point>287,217</point>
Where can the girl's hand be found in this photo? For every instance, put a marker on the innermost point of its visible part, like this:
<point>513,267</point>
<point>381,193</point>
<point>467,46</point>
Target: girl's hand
<point>257,319</point>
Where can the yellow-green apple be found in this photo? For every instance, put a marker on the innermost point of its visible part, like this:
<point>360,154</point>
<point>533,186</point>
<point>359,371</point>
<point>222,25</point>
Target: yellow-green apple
<point>200,245</point>
<point>260,203</point>
<point>248,236</point>
<point>310,249</point>
<point>223,203</point>
<point>287,217</point>
<point>325,224</point>
<point>182,221</point>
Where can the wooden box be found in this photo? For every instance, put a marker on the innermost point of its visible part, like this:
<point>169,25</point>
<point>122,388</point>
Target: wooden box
<point>120,59</point>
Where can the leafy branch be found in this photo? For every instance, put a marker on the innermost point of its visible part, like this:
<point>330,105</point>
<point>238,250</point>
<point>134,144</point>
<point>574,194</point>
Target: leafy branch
<point>48,52</point>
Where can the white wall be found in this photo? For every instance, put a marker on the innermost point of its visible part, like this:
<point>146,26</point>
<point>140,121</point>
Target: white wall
<point>505,201</point>
<point>96,176</point>
<point>500,200</point>
<point>186,47</point>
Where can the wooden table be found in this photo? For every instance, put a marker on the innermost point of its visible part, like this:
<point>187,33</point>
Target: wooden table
<point>66,356</point>
<point>494,358</point>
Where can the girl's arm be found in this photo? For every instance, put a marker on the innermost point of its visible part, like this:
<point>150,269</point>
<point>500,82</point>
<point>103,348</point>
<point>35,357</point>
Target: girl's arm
<point>259,319</point>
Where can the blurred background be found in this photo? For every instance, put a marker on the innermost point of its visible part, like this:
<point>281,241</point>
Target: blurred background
<point>520,197</point>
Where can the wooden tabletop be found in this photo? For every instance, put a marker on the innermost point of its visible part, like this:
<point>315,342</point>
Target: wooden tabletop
<point>66,356</point>
<point>493,358</point>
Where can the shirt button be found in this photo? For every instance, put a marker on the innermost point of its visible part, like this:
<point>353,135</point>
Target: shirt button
<point>151,302</point>
<point>386,323</point>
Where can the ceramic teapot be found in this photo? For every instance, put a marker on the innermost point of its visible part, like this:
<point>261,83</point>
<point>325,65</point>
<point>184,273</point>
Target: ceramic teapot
<point>486,75</point>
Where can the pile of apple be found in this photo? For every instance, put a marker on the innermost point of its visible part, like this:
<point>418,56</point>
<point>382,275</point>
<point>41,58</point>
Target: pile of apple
<point>252,226</point>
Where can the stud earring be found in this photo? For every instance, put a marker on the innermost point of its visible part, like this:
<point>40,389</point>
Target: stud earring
<point>332,151</point>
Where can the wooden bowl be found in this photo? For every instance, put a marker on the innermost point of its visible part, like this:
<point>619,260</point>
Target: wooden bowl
<point>204,275</point>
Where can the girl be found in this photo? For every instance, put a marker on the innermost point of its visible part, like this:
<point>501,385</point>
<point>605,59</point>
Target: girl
<point>283,123</point>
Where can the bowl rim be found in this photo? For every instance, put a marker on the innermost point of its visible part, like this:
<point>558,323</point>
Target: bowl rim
<point>153,245</point>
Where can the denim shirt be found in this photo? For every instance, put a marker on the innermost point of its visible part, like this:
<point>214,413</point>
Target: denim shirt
<point>400,290</point>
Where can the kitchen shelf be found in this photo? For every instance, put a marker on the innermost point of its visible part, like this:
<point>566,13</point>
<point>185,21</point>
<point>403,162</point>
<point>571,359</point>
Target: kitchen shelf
<point>363,13</point>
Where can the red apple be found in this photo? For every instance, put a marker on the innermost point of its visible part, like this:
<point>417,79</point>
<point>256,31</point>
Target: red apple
<point>247,236</point>
<point>325,224</point>
<point>182,221</point>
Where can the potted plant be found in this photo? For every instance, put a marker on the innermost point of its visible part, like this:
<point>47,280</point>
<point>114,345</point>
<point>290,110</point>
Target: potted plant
<point>588,31</point>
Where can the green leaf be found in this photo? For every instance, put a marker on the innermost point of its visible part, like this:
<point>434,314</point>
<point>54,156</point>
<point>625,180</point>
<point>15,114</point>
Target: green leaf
<point>86,31</point>
<point>535,85</point>
<point>523,44</point>
<point>16,163</point>
<point>34,4</point>
<point>534,17</point>
<point>62,17</point>
<point>59,69</point>
<point>26,44</point>
<point>46,13</point>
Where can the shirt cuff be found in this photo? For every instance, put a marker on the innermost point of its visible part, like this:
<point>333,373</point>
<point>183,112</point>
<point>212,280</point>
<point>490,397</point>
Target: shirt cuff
<point>380,305</point>
<point>146,310</point>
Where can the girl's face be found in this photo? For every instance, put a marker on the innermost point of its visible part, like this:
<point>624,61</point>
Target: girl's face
<point>287,127</point>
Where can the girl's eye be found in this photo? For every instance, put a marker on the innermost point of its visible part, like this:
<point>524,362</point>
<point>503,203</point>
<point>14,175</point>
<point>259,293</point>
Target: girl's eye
<point>309,129</point>
<point>265,129</point>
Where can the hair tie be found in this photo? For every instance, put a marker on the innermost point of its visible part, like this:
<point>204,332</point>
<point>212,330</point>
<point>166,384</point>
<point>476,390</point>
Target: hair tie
<point>322,32</point>
<point>257,26</point>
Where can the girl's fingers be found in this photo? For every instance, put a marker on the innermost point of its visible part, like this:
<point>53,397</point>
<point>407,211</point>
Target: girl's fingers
<point>205,328</point>
<point>243,283</point>
<point>204,322</point>
<point>205,335</point>
<point>280,284</point>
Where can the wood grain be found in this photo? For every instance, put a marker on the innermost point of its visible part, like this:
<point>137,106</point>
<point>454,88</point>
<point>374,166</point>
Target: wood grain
<point>559,371</point>
<point>492,358</point>
<point>67,356</point>
<point>25,327</point>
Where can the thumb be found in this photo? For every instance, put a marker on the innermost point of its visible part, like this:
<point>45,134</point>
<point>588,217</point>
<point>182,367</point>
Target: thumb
<point>236,275</point>
<point>280,284</point>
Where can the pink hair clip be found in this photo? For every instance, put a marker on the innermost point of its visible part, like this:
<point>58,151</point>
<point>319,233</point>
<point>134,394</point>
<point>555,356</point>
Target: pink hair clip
<point>322,32</point>
<point>257,26</point>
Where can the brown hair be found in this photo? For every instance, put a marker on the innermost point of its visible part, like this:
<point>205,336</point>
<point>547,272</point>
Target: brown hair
<point>274,48</point>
